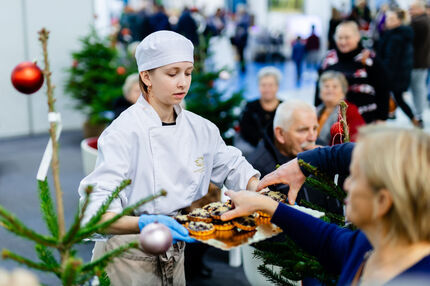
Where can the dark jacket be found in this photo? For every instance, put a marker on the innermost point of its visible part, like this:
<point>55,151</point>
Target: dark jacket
<point>421,26</point>
<point>253,121</point>
<point>266,157</point>
<point>188,27</point>
<point>396,52</point>
<point>367,80</point>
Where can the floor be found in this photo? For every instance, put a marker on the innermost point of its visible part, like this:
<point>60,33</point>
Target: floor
<point>20,157</point>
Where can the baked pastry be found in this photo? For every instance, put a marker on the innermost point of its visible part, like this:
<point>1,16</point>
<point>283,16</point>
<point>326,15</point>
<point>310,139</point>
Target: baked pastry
<point>209,207</point>
<point>277,196</point>
<point>200,215</point>
<point>217,212</point>
<point>229,204</point>
<point>222,225</point>
<point>200,228</point>
<point>262,220</point>
<point>182,219</point>
<point>263,214</point>
<point>245,223</point>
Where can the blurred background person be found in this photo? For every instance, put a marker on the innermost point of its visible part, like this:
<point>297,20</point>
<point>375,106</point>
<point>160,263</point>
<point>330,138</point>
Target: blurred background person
<point>364,72</point>
<point>259,113</point>
<point>187,27</point>
<point>240,38</point>
<point>333,87</point>
<point>336,19</point>
<point>298,56</point>
<point>130,91</point>
<point>313,50</point>
<point>159,19</point>
<point>420,23</point>
<point>397,54</point>
<point>361,15</point>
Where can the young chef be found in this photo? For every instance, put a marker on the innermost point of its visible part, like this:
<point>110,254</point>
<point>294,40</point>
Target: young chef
<point>158,145</point>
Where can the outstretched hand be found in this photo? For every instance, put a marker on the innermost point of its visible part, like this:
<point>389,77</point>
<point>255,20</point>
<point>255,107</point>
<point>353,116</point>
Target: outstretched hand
<point>289,174</point>
<point>178,231</point>
<point>247,202</point>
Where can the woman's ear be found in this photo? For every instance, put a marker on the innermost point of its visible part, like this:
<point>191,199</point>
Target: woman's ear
<point>384,202</point>
<point>279,134</point>
<point>144,75</point>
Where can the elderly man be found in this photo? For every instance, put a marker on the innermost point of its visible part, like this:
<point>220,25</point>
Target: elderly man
<point>420,23</point>
<point>294,130</point>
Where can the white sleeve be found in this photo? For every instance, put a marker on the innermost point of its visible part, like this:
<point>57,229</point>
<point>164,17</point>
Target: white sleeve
<point>112,167</point>
<point>230,167</point>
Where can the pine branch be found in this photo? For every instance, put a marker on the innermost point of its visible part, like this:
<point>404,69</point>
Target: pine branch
<point>316,173</point>
<point>103,279</point>
<point>334,218</point>
<point>105,206</point>
<point>99,228</point>
<point>343,108</point>
<point>47,207</point>
<point>78,217</point>
<point>103,261</point>
<point>5,224</point>
<point>335,191</point>
<point>71,271</point>
<point>43,38</point>
<point>45,255</point>
<point>273,277</point>
<point>16,226</point>
<point>6,254</point>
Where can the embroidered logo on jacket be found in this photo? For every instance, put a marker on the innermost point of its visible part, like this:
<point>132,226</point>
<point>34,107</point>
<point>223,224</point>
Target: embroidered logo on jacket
<point>200,164</point>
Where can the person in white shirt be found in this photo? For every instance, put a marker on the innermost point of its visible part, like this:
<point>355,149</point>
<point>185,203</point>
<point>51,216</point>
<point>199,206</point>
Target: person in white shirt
<point>158,145</point>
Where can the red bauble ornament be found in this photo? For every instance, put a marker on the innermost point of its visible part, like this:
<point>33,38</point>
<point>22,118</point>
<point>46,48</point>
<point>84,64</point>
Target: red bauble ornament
<point>336,129</point>
<point>120,70</point>
<point>155,238</point>
<point>27,77</point>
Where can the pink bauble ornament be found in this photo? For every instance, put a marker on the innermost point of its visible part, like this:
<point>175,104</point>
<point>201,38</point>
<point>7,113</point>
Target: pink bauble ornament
<point>155,238</point>
<point>27,77</point>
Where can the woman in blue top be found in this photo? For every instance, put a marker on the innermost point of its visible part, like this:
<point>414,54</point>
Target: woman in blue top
<point>388,200</point>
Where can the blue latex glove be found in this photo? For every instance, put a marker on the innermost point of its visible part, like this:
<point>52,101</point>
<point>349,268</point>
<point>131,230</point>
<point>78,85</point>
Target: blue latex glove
<point>178,231</point>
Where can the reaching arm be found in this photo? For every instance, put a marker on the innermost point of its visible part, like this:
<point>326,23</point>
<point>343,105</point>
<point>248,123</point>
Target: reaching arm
<point>330,160</point>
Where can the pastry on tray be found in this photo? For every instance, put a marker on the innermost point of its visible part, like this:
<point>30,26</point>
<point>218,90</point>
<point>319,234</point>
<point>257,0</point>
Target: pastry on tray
<point>209,207</point>
<point>200,228</point>
<point>182,219</point>
<point>200,215</point>
<point>222,225</point>
<point>245,223</point>
<point>262,220</point>
<point>217,212</point>
<point>263,214</point>
<point>277,196</point>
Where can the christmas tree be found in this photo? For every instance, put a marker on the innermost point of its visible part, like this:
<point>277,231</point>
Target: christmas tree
<point>96,77</point>
<point>204,99</point>
<point>69,268</point>
<point>295,263</point>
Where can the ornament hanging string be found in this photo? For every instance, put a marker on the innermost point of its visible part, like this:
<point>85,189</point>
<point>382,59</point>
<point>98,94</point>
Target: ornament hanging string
<point>337,129</point>
<point>53,117</point>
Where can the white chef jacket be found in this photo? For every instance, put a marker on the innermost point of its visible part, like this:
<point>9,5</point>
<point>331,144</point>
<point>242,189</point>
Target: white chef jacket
<point>181,159</point>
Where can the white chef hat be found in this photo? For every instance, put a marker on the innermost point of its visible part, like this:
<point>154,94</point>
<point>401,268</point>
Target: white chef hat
<point>162,48</point>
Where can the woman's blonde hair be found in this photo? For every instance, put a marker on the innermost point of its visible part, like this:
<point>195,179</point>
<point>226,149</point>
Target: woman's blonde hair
<point>398,159</point>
